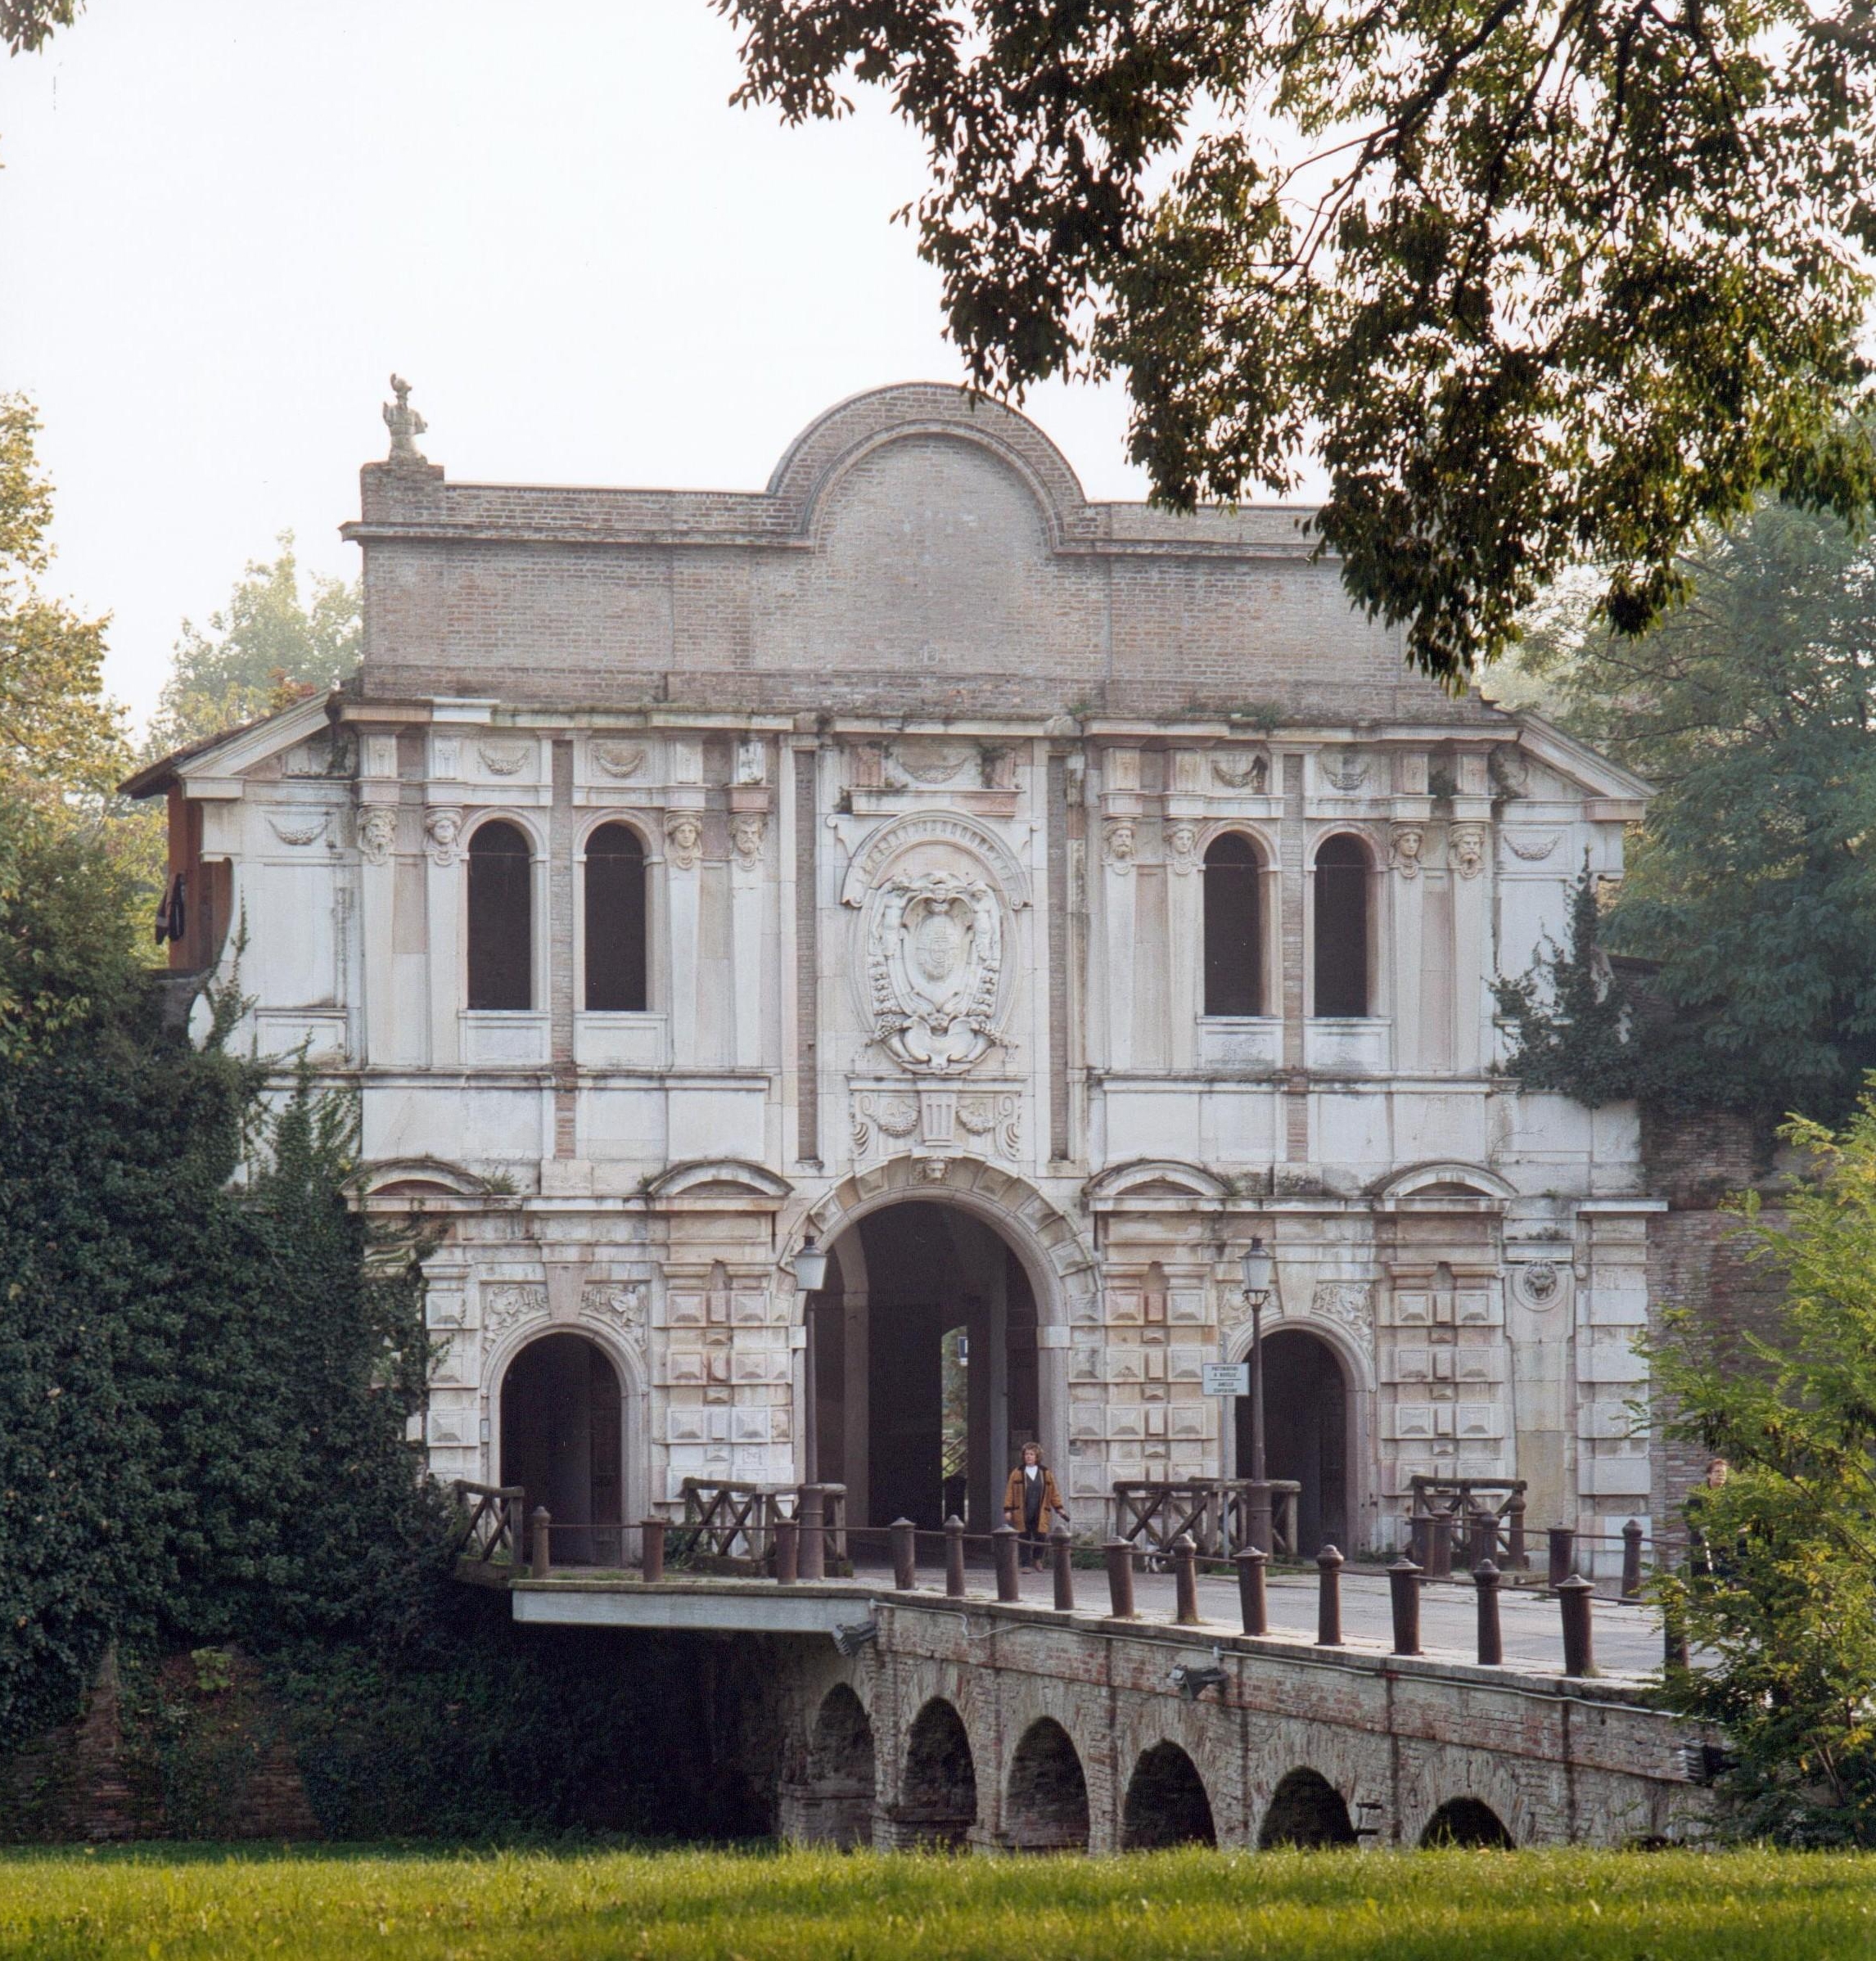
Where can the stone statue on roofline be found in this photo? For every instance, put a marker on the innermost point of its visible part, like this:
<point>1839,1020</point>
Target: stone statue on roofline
<point>404,424</point>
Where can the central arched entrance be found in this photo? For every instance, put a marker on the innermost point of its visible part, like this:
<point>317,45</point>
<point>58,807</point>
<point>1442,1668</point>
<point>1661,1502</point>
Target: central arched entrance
<point>1306,1433</point>
<point>925,1364</point>
<point>561,1439</point>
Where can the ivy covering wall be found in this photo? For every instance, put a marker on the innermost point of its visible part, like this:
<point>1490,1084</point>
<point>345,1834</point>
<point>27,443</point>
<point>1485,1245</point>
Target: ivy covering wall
<point>207,1362</point>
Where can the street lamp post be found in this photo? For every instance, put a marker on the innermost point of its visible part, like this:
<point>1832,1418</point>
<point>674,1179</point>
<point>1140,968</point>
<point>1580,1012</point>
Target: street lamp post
<point>1257,1270</point>
<point>811,1276</point>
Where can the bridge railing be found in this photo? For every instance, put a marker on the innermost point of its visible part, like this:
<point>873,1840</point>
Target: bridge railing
<point>491,1528</point>
<point>912,1552</point>
<point>1467,1520</point>
<point>1215,1513</point>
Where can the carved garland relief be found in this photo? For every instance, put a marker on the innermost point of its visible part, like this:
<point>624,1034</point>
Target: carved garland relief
<point>508,1305</point>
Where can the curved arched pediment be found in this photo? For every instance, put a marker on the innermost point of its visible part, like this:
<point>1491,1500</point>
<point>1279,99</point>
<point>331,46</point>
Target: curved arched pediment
<point>422,1177</point>
<point>940,827</point>
<point>1449,1181</point>
<point>1154,1181</point>
<point>836,443</point>
<point>719,1178</point>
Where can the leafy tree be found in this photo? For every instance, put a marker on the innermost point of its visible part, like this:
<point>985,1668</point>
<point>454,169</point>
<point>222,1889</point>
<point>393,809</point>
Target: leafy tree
<point>1753,713</point>
<point>58,734</point>
<point>1787,1615</point>
<point>26,26</point>
<point>1549,283</point>
<point>1570,1018</point>
<point>265,649</point>
<point>203,1389</point>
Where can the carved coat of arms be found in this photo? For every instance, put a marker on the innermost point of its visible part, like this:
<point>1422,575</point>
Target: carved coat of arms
<point>934,967</point>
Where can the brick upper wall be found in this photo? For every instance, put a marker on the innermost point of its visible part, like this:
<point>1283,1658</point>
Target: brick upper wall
<point>914,553</point>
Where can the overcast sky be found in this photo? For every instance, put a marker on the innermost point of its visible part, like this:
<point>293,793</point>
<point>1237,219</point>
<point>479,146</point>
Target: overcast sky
<point>222,223</point>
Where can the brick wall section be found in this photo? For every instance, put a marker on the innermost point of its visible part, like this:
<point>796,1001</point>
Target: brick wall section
<point>1698,1256</point>
<point>1393,1738</point>
<point>913,551</point>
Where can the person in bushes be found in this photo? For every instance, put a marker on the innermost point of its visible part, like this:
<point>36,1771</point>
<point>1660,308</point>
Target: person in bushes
<point>1032,1503</point>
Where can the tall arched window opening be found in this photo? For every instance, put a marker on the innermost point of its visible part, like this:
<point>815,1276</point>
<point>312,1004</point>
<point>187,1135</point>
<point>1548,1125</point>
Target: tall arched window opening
<point>1342,927</point>
<point>1233,928</point>
<point>615,922</point>
<point>501,917</point>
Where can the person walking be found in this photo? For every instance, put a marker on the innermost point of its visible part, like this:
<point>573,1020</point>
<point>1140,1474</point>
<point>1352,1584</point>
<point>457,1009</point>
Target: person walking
<point>1032,1503</point>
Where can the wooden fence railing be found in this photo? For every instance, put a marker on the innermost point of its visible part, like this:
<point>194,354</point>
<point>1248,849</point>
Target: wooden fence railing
<point>493,1526</point>
<point>729,1525</point>
<point>1214,1512</point>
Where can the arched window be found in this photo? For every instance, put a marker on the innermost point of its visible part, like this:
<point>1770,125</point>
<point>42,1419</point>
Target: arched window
<point>1342,927</point>
<point>615,921</point>
<point>501,917</point>
<point>1233,927</point>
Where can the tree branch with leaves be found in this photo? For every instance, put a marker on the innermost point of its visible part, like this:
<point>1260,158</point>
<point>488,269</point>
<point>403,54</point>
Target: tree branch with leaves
<point>1547,285</point>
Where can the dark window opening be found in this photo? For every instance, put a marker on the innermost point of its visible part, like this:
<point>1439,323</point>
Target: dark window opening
<point>615,979</point>
<point>1233,928</point>
<point>1342,927</point>
<point>501,922</point>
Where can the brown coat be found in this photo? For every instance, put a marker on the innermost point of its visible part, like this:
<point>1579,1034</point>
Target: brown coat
<point>1051,1499</point>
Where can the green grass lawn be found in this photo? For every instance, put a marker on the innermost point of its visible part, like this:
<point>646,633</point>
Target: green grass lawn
<point>162,1903</point>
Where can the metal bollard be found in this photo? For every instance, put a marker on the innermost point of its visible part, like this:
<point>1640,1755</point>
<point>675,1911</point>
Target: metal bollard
<point>812,1517</point>
<point>1574,1596</point>
<point>1185,1581</point>
<point>1515,1555</point>
<point>1404,1596</point>
<point>1632,1560</point>
<point>904,1536</point>
<point>1491,1642</point>
<point>1060,1561</point>
<point>1259,1527</point>
<point>1120,1554</point>
<point>1252,1601</point>
<point>1416,1541</point>
<point>954,1558</point>
<point>1439,1546</point>
<point>787,1552</point>
<point>1563,1556</point>
<point>1004,1545</point>
<point>1328,1602</point>
<point>1483,1540</point>
<point>1673,1636</point>
<point>651,1554</point>
<point>540,1557</point>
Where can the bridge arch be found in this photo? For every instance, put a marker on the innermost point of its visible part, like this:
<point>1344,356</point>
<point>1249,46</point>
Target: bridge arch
<point>1306,1810</point>
<point>938,1793</point>
<point>1045,1807</point>
<point>1467,1821</point>
<point>832,1799</point>
<point>1167,1803</point>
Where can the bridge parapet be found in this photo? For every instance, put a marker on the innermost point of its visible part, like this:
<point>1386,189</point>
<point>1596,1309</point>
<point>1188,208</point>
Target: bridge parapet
<point>1010,1726</point>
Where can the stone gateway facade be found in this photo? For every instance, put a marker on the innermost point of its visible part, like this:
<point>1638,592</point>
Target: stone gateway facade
<point>1032,900</point>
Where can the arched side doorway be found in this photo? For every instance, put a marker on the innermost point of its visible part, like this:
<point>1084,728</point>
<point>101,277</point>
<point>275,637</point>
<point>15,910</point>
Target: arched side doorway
<point>1307,1810</point>
<point>1307,1431</point>
<point>563,1441</point>
<point>831,1803</point>
<point>1046,1808</point>
<point>1469,1823</point>
<point>938,1799</point>
<point>1165,1803</point>
<point>925,1366</point>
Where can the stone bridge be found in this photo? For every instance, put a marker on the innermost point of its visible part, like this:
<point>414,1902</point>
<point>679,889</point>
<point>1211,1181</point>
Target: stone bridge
<point>1012,1727</point>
